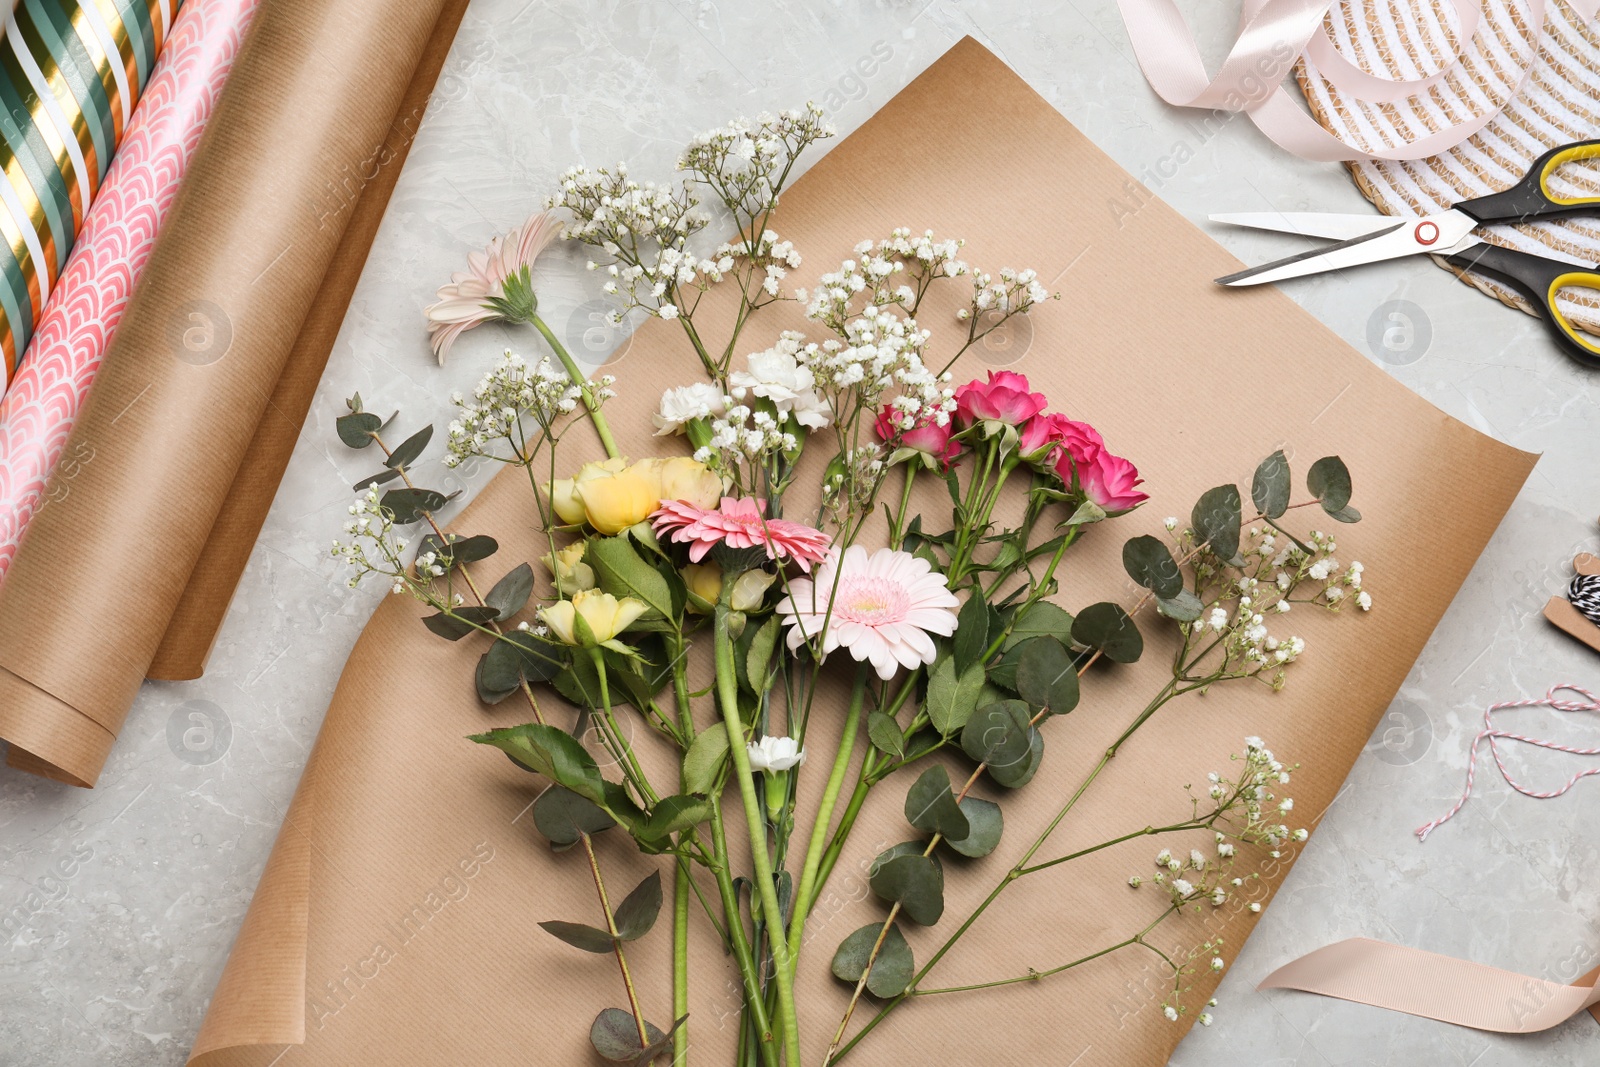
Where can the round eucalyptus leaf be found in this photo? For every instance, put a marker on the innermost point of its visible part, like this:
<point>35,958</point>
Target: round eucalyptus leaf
<point>931,807</point>
<point>997,735</point>
<point>986,822</point>
<point>579,935</point>
<point>1047,676</point>
<point>1105,626</point>
<point>638,910</point>
<point>891,971</point>
<point>1149,563</point>
<point>615,1035</point>
<point>1216,519</point>
<point>915,882</point>
<point>1269,489</point>
<point>1329,481</point>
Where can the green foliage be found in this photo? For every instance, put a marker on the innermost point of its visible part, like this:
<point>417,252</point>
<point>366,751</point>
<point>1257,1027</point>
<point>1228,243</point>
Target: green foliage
<point>1216,519</point>
<point>511,592</point>
<point>638,910</point>
<point>903,875</point>
<point>562,816</point>
<point>758,660</point>
<point>886,735</point>
<point>985,824</point>
<point>707,754</point>
<point>1148,563</point>
<point>932,807</point>
<point>551,752</point>
<point>1105,626</point>
<point>674,814</point>
<point>615,1036</point>
<point>580,935</point>
<point>458,623</point>
<point>1002,736</point>
<point>456,550</point>
<point>1047,676</point>
<point>951,696</point>
<point>1329,481</point>
<point>411,505</point>
<point>891,971</point>
<point>972,631</point>
<point>1041,619</point>
<point>1185,607</point>
<point>1269,489</point>
<point>621,571</point>
<point>407,451</point>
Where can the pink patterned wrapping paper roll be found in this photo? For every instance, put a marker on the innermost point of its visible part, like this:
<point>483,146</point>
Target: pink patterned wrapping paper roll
<point>38,411</point>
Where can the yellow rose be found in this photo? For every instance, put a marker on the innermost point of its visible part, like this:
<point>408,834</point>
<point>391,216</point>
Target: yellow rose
<point>569,569</point>
<point>614,503</point>
<point>749,589</point>
<point>682,478</point>
<point>704,580</point>
<point>564,492</point>
<point>603,614</point>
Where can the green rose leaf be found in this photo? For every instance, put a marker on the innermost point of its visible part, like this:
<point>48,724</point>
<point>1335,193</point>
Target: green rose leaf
<point>407,451</point>
<point>511,593</point>
<point>931,807</point>
<point>972,631</point>
<point>1047,676</point>
<point>562,816</point>
<point>903,875</point>
<point>886,735</point>
<point>674,814</point>
<point>551,752</point>
<point>1105,626</point>
<point>951,696</point>
<point>356,429</point>
<point>1042,619</point>
<point>621,571</point>
<point>1003,671</point>
<point>985,823</point>
<point>638,910</point>
<point>1185,607</point>
<point>891,971</point>
<point>1269,489</point>
<point>703,762</point>
<point>615,1035</point>
<point>409,505</point>
<point>376,479</point>
<point>580,935</point>
<point>1148,562</point>
<point>1329,481</point>
<point>1000,736</point>
<point>1216,519</point>
<point>758,661</point>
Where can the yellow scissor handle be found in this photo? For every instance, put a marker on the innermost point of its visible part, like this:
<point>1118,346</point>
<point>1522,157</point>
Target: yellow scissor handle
<point>1553,161</point>
<point>1582,279</point>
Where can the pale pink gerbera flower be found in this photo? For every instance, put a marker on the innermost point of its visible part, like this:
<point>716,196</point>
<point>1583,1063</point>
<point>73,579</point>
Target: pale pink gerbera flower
<point>494,287</point>
<point>738,523</point>
<point>884,608</point>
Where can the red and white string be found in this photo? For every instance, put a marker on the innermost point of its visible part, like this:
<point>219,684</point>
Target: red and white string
<point>1494,736</point>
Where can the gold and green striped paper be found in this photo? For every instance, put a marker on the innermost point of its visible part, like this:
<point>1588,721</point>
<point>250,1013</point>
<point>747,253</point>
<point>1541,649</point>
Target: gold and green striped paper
<point>70,74</point>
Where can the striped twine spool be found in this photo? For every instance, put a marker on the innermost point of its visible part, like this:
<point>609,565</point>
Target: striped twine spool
<point>1584,593</point>
<point>1415,39</point>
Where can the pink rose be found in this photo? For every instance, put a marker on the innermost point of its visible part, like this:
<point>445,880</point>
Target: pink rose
<point>927,437</point>
<point>1004,398</point>
<point>1043,435</point>
<point>1111,482</point>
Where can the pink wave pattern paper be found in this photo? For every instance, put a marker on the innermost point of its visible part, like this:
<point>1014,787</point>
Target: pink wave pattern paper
<point>39,410</point>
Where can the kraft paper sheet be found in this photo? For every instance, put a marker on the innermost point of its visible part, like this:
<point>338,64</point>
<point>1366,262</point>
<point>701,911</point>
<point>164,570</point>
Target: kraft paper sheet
<point>203,390</point>
<point>395,921</point>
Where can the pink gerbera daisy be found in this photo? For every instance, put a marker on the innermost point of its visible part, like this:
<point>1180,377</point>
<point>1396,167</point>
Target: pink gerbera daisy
<point>885,606</point>
<point>477,294</point>
<point>738,523</point>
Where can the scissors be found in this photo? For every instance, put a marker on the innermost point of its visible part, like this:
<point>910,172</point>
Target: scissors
<point>1374,238</point>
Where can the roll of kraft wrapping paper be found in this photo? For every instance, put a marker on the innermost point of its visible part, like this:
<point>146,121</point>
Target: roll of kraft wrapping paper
<point>38,411</point>
<point>236,290</point>
<point>391,924</point>
<point>73,70</point>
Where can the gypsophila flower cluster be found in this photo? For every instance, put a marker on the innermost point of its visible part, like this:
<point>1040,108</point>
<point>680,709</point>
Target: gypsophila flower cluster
<point>853,482</point>
<point>373,547</point>
<point>1238,810</point>
<point>508,392</point>
<point>870,276</point>
<point>747,163</point>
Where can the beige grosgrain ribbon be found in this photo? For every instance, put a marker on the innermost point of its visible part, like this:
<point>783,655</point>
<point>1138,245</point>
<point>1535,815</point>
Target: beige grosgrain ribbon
<point>1436,987</point>
<point>1272,35</point>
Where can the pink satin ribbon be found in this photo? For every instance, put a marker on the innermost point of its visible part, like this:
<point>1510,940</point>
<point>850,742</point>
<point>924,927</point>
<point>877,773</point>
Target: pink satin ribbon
<point>1435,987</point>
<point>1273,34</point>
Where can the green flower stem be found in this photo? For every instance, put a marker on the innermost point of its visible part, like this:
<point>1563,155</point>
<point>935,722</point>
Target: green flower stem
<point>1036,594</point>
<point>1168,691</point>
<point>728,697</point>
<point>623,752</point>
<point>830,796</point>
<point>616,942</point>
<point>680,962</point>
<point>847,821</point>
<point>742,953</point>
<point>897,532</point>
<point>590,401</point>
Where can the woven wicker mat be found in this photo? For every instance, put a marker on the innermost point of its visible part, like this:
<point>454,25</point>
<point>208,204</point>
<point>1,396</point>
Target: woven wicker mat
<point>1559,102</point>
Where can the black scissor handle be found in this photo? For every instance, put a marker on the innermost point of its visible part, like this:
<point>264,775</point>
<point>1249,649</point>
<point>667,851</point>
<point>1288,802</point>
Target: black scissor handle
<point>1538,279</point>
<point>1531,197</point>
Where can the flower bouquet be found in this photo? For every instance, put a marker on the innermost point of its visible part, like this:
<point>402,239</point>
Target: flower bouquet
<point>678,593</point>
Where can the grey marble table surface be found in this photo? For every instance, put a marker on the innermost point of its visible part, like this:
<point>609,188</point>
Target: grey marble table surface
<point>118,905</point>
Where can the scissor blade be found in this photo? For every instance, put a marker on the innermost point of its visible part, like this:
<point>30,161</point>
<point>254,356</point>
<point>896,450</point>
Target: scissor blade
<point>1436,233</point>
<point>1309,223</point>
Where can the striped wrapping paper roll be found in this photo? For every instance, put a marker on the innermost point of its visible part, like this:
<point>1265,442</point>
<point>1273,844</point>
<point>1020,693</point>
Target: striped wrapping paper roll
<point>38,412</point>
<point>70,73</point>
